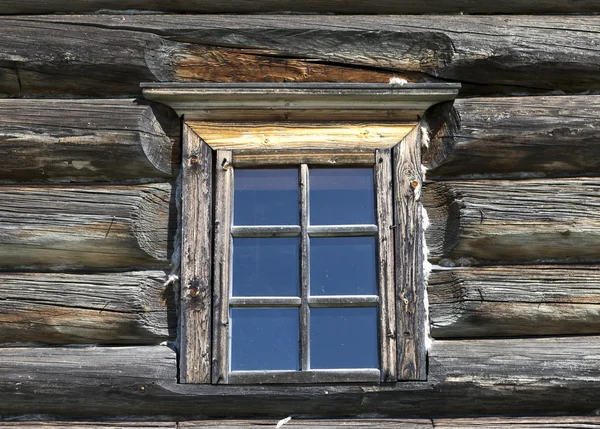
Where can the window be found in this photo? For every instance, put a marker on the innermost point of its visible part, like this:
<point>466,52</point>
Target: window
<point>302,290</point>
<point>301,231</point>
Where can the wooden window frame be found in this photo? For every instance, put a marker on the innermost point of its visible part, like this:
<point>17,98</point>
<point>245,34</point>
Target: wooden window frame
<point>284,118</point>
<point>380,161</point>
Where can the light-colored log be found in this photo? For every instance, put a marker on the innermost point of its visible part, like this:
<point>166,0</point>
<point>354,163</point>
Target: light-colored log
<point>228,135</point>
<point>376,423</point>
<point>86,140</point>
<point>514,137</point>
<point>476,377</point>
<point>514,301</point>
<point>559,422</point>
<point>497,54</point>
<point>109,308</point>
<point>513,221</point>
<point>54,227</point>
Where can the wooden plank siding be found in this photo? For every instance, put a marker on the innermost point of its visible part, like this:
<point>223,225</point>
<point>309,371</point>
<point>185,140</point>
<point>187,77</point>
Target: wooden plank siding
<point>87,141</point>
<point>514,137</point>
<point>107,308</point>
<point>86,227</point>
<point>488,54</point>
<point>476,377</point>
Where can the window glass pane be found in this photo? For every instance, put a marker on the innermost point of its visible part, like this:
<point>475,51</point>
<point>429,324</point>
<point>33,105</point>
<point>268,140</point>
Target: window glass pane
<point>343,266</point>
<point>266,267</point>
<point>342,196</point>
<point>265,197</point>
<point>343,338</point>
<point>264,339</point>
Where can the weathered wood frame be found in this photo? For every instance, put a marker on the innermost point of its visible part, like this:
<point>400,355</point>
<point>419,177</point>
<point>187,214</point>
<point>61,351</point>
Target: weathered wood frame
<point>223,246</point>
<point>206,108</point>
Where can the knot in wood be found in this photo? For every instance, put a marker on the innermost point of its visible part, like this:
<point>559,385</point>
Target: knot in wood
<point>194,288</point>
<point>194,159</point>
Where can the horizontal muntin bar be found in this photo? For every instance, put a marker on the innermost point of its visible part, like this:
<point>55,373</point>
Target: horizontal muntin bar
<point>343,301</point>
<point>266,231</point>
<point>341,230</point>
<point>367,375</point>
<point>264,301</point>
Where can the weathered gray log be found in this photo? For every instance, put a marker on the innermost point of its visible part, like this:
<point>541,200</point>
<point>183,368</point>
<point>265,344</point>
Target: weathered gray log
<point>87,425</point>
<point>513,221</point>
<point>514,301</point>
<point>109,308</point>
<point>87,140</point>
<point>515,137</point>
<point>45,55</point>
<point>54,227</point>
<point>561,422</point>
<point>343,6</point>
<point>376,423</point>
<point>465,377</point>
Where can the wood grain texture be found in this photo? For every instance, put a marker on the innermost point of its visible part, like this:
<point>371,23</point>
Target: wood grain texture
<point>222,265</point>
<point>86,227</point>
<point>497,54</point>
<point>384,185</point>
<point>513,221</point>
<point>340,6</point>
<point>196,262</point>
<point>89,425</point>
<point>514,301</point>
<point>476,377</point>
<point>408,231</point>
<point>288,136</point>
<point>515,137</point>
<point>109,308</point>
<point>253,158</point>
<point>562,422</point>
<point>87,140</point>
<point>310,424</point>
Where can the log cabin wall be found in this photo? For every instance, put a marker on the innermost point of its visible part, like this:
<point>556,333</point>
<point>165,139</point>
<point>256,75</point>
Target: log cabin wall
<point>88,216</point>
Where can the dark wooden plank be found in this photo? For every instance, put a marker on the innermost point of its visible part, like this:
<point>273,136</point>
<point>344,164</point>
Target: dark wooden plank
<point>384,185</point>
<point>516,137</point>
<point>376,423</point>
<point>514,301</point>
<point>513,221</point>
<point>308,376</point>
<point>108,308</point>
<point>87,140</point>
<point>343,6</point>
<point>252,158</point>
<point>222,265</point>
<point>85,227</point>
<point>408,231</point>
<point>196,260</point>
<point>88,425</point>
<point>477,377</point>
<point>487,53</point>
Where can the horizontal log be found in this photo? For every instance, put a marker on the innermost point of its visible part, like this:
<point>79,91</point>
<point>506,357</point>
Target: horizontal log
<point>515,137</point>
<point>88,425</point>
<point>514,301</point>
<point>478,377</point>
<point>86,140</point>
<point>562,422</point>
<point>109,308</point>
<point>83,227</point>
<point>513,221</point>
<point>376,423</point>
<point>340,6</point>
<point>47,55</point>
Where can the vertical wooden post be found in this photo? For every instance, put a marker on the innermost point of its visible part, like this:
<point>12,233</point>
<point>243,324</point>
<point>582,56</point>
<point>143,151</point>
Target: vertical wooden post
<point>222,264</point>
<point>387,286</point>
<point>196,260</point>
<point>410,311</point>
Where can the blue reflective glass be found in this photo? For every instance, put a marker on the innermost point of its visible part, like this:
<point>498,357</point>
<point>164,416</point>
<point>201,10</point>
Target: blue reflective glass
<point>265,197</point>
<point>342,196</point>
<point>343,266</point>
<point>264,339</point>
<point>343,338</point>
<point>266,267</point>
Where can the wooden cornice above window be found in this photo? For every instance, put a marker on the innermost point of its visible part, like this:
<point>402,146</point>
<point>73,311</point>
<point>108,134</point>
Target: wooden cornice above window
<point>298,101</point>
<point>294,116</point>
